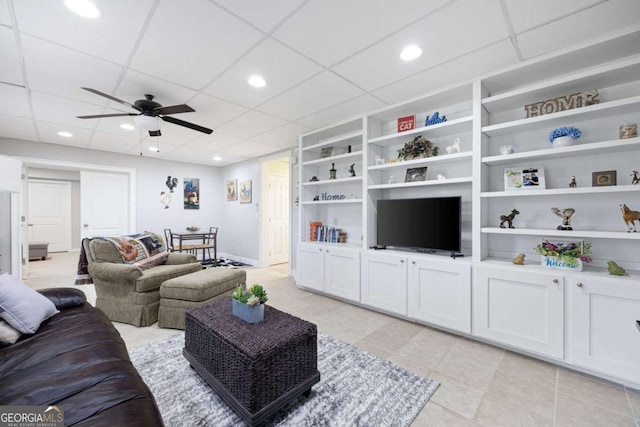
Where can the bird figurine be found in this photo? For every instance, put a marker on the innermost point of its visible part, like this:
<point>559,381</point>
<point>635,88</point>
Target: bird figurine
<point>165,199</point>
<point>171,183</point>
<point>615,269</point>
<point>566,215</point>
<point>519,259</point>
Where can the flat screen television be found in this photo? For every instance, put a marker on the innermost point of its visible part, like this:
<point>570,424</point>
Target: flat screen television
<point>428,224</point>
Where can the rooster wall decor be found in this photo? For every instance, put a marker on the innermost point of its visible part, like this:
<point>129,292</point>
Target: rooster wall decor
<point>171,183</point>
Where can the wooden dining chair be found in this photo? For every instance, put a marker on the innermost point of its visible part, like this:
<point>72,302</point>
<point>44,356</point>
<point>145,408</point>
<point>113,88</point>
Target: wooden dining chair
<point>213,244</point>
<point>168,237</point>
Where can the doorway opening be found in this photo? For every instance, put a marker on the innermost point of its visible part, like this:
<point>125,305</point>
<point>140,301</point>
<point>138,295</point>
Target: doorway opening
<point>275,212</point>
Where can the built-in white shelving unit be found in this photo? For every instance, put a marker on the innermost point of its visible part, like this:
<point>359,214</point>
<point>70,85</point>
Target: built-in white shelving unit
<point>556,314</point>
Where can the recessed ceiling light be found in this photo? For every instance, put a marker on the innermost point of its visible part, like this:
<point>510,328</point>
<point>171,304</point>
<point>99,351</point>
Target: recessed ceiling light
<point>127,126</point>
<point>217,158</point>
<point>156,149</point>
<point>65,134</point>
<point>257,81</point>
<point>410,53</point>
<point>83,8</point>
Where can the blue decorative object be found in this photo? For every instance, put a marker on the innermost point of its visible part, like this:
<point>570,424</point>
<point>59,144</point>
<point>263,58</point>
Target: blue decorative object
<point>435,119</point>
<point>565,131</point>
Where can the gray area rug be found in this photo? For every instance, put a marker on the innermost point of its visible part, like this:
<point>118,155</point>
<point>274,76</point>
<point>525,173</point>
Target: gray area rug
<point>356,389</point>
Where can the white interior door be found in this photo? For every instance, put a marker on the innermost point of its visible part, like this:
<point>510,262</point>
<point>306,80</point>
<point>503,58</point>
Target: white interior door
<point>278,219</point>
<point>49,214</point>
<point>104,204</point>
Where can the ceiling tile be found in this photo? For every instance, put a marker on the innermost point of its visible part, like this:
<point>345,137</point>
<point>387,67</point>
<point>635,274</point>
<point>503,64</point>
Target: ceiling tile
<point>332,31</point>
<point>251,124</point>
<point>17,127</point>
<point>49,133</point>
<point>227,159</point>
<point>317,93</point>
<point>527,15</point>
<point>351,108</point>
<point>184,154</point>
<point>110,142</point>
<point>55,109</point>
<point>15,101</point>
<point>144,148</point>
<point>280,66</point>
<point>243,148</point>
<point>263,14</point>
<point>213,142</point>
<point>10,71</point>
<point>476,25</point>
<point>213,112</point>
<point>112,36</point>
<point>282,135</point>
<point>576,28</point>
<point>4,13</point>
<point>135,85</point>
<point>54,69</point>
<point>458,70</point>
<point>191,45</point>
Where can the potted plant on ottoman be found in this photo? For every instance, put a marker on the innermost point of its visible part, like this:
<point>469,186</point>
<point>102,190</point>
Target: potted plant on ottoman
<point>248,304</point>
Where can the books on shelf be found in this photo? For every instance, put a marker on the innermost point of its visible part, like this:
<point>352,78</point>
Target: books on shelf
<point>325,233</point>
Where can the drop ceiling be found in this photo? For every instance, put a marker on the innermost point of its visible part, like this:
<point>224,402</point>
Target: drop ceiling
<point>323,61</point>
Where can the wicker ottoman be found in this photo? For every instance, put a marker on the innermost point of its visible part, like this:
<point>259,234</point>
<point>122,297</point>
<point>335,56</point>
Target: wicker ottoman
<point>257,368</point>
<point>179,294</point>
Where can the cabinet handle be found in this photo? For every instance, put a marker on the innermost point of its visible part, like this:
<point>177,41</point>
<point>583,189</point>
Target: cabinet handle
<point>402,261</point>
<point>327,250</point>
<point>413,262</point>
<point>555,281</point>
<point>579,284</point>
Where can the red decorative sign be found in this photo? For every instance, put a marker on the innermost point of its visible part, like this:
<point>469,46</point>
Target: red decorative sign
<point>406,123</point>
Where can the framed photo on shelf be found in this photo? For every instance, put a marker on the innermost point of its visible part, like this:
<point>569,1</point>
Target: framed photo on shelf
<point>523,179</point>
<point>326,152</point>
<point>416,174</point>
<point>603,178</point>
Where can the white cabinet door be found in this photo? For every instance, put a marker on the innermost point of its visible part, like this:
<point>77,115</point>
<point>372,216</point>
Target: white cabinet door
<point>311,266</point>
<point>521,310</point>
<point>384,282</point>
<point>603,332</point>
<point>440,293</point>
<point>342,272</point>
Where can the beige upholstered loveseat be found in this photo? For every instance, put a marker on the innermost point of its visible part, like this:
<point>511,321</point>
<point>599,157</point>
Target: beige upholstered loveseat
<point>129,292</point>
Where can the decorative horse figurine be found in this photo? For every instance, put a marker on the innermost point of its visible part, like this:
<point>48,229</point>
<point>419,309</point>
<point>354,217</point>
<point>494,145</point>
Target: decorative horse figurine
<point>508,219</point>
<point>635,177</point>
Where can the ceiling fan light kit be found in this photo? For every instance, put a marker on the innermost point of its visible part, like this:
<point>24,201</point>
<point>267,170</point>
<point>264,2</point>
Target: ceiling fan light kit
<point>148,113</point>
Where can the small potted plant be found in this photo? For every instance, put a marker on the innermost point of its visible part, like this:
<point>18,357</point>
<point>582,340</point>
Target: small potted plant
<point>248,304</point>
<point>564,136</point>
<point>564,255</point>
<point>416,148</point>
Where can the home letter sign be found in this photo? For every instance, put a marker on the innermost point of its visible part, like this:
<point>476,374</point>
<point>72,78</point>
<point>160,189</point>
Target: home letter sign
<point>568,102</point>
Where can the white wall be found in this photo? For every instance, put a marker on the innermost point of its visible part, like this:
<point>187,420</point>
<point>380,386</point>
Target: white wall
<point>151,175</point>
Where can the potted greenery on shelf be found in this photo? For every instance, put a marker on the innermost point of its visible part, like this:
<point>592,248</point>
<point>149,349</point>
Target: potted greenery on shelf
<point>248,304</point>
<point>416,148</point>
<point>564,136</point>
<point>564,255</point>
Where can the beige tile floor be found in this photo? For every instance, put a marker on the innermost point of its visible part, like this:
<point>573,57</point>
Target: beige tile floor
<point>481,385</point>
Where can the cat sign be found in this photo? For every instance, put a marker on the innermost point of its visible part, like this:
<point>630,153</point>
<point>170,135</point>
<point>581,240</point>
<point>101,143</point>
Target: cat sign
<point>406,123</point>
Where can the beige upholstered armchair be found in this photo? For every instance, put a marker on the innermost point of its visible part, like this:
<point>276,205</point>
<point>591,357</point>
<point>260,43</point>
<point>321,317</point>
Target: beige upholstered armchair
<point>127,291</point>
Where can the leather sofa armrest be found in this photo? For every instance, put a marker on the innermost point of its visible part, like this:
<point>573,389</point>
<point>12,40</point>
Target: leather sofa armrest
<point>110,272</point>
<point>176,258</point>
<point>64,297</point>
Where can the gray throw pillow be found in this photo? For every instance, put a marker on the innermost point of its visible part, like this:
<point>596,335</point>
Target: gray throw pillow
<point>22,307</point>
<point>8,335</point>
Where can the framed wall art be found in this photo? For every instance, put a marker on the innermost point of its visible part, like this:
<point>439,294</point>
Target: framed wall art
<point>603,178</point>
<point>416,174</point>
<point>191,193</point>
<point>232,190</point>
<point>523,179</point>
<point>245,191</point>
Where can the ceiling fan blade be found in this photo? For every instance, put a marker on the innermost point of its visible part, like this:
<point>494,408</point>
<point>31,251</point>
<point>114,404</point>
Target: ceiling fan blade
<point>155,133</point>
<point>174,109</point>
<point>186,124</point>
<point>99,116</point>
<point>97,92</point>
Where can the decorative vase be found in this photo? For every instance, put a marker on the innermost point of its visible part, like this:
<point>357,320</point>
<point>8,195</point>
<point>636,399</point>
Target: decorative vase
<point>555,262</point>
<point>563,141</point>
<point>248,313</point>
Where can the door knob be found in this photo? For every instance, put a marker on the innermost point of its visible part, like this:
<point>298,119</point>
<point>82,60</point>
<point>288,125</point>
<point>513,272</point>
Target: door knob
<point>85,225</point>
<point>555,281</point>
<point>579,284</point>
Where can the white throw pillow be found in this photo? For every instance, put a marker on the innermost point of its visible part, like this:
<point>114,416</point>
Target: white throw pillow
<point>22,307</point>
<point>8,335</point>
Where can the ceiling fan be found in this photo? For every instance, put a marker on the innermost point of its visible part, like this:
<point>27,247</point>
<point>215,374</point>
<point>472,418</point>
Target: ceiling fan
<point>148,113</point>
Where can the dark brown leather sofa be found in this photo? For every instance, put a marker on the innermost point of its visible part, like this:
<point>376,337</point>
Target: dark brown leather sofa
<point>77,360</point>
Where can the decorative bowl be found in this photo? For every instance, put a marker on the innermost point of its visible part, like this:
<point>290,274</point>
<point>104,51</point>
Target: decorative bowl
<point>193,228</point>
